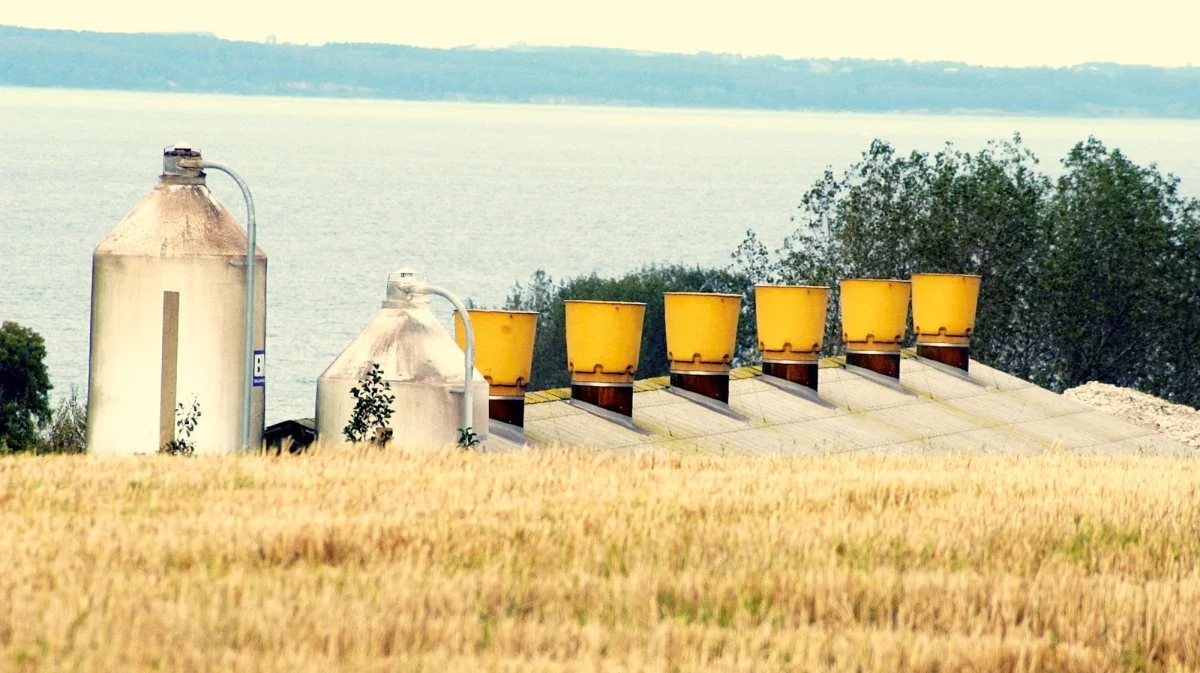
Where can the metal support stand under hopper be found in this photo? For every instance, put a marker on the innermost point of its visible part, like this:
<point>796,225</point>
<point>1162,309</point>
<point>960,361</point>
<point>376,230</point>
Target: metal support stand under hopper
<point>801,373</point>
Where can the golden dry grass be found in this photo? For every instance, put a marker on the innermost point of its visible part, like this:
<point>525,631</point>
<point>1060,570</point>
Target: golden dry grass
<point>574,560</point>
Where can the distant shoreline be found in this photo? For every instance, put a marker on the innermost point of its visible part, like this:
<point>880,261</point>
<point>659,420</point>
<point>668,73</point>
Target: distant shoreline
<point>606,106</point>
<point>585,76</point>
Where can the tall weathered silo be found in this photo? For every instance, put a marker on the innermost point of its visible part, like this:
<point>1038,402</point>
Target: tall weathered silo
<point>422,368</point>
<point>169,289</point>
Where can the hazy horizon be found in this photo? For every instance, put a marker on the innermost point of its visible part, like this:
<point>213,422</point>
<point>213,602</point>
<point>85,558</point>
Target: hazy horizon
<point>1019,33</point>
<point>525,45</point>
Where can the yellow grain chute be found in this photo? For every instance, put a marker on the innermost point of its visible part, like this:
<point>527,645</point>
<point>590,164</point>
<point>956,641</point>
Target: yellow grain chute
<point>701,340</point>
<point>604,342</point>
<point>944,316</point>
<point>791,327</point>
<point>874,314</point>
<point>504,355</point>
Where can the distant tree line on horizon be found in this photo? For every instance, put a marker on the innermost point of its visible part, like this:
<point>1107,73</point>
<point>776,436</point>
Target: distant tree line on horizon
<point>204,63</point>
<point>1093,276</point>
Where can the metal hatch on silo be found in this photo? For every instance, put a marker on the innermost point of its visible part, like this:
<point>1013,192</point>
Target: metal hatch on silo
<point>423,369</point>
<point>168,324</point>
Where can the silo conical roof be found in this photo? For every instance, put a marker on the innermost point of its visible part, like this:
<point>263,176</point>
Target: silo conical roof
<point>177,220</point>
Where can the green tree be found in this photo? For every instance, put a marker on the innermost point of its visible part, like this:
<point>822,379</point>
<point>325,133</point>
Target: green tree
<point>891,215</point>
<point>1092,276</point>
<point>1178,378</point>
<point>24,387</point>
<point>1122,276</point>
<point>646,285</point>
<point>67,430</point>
<point>372,408</point>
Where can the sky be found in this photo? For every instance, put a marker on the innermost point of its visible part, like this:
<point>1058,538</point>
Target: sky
<point>979,32</point>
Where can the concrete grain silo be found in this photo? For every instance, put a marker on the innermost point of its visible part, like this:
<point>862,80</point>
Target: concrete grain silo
<point>168,323</point>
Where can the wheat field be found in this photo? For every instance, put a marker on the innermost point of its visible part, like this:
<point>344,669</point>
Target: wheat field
<point>566,559</point>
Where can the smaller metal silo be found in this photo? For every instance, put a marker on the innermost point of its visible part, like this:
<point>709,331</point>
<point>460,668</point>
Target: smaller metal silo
<point>422,368</point>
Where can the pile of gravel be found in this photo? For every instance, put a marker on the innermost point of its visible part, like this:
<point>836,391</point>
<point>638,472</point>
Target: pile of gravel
<point>1176,421</point>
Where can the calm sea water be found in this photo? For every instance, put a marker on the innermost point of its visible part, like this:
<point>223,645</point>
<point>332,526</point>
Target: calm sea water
<point>476,196</point>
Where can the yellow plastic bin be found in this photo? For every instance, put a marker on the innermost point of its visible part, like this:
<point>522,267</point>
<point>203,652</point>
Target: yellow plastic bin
<point>874,313</point>
<point>604,340</point>
<point>943,306</point>
<point>701,330</point>
<point>791,321</point>
<point>503,347</point>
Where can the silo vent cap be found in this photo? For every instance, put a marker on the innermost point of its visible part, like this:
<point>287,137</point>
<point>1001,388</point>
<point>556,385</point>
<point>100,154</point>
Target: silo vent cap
<point>180,161</point>
<point>406,273</point>
<point>405,287</point>
<point>181,149</point>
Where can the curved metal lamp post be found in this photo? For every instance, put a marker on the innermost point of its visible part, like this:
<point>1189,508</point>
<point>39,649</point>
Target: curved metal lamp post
<point>251,272</point>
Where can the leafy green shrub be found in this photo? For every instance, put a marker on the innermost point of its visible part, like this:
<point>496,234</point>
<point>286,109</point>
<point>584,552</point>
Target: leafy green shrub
<point>67,430</point>
<point>372,409</point>
<point>24,387</point>
<point>186,420</point>
<point>467,439</point>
